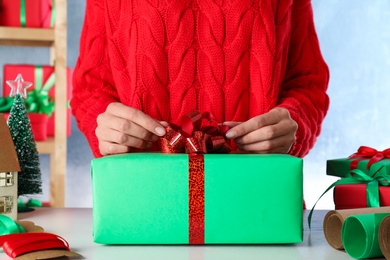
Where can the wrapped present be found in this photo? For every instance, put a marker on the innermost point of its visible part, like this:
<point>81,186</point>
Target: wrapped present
<point>155,198</point>
<point>367,166</point>
<point>363,159</point>
<point>40,98</point>
<point>352,196</point>
<point>31,13</point>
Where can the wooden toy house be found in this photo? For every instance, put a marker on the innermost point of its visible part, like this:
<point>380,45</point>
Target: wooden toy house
<point>9,168</point>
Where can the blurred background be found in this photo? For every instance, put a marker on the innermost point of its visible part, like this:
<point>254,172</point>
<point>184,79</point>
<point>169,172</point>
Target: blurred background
<point>355,41</point>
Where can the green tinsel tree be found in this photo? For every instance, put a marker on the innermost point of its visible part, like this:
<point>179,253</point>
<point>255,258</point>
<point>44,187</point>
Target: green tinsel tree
<point>29,178</point>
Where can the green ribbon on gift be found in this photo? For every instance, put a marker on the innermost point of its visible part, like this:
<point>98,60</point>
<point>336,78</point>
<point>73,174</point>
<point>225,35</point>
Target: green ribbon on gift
<point>37,100</point>
<point>357,176</point>
<point>6,104</point>
<point>23,13</point>
<point>53,13</point>
<point>373,183</point>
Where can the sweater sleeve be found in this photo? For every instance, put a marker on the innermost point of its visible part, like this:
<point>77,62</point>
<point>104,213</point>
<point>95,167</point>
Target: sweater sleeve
<point>306,80</point>
<point>93,87</point>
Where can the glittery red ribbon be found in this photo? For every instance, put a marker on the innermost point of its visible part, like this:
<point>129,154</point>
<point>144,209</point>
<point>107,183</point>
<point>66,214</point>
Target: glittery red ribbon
<point>196,198</point>
<point>198,134</point>
<point>365,152</point>
<point>19,244</point>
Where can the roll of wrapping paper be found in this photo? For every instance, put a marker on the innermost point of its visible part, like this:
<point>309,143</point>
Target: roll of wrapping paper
<point>360,235</point>
<point>334,220</point>
<point>384,237</point>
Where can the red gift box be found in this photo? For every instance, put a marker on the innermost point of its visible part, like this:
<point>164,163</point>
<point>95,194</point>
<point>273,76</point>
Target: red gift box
<point>36,13</point>
<point>28,73</point>
<point>351,196</point>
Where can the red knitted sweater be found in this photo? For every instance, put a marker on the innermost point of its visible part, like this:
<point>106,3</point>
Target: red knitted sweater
<point>236,59</point>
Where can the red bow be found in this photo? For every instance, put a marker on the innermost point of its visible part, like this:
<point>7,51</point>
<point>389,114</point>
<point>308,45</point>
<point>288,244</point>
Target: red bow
<point>365,152</point>
<point>198,133</point>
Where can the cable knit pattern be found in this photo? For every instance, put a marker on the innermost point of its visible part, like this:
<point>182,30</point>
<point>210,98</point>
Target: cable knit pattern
<point>237,59</point>
<point>240,17</point>
<point>180,25</point>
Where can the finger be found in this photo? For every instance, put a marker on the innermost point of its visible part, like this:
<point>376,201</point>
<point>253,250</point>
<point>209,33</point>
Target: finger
<point>278,145</point>
<point>251,125</point>
<point>164,123</point>
<point>121,125</point>
<point>265,133</point>
<point>116,137</point>
<point>231,123</point>
<point>136,116</point>
<point>132,129</point>
<point>107,148</point>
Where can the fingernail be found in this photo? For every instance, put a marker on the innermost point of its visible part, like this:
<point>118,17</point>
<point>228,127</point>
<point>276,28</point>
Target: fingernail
<point>231,134</point>
<point>160,131</point>
<point>164,123</point>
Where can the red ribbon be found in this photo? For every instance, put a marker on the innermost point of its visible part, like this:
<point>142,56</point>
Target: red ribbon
<point>18,244</point>
<point>196,199</point>
<point>365,152</point>
<point>198,134</point>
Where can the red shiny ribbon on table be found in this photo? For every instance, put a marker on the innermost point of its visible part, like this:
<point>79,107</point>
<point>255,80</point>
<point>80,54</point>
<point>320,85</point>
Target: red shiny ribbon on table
<point>366,152</point>
<point>198,134</point>
<point>18,244</point>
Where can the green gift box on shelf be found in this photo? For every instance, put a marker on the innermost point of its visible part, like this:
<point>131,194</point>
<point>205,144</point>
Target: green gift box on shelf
<point>342,167</point>
<point>149,198</point>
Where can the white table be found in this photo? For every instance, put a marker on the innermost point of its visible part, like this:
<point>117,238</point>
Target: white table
<point>75,225</point>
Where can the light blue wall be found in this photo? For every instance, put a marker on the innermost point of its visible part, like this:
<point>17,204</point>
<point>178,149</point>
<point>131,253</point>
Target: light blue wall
<point>355,40</point>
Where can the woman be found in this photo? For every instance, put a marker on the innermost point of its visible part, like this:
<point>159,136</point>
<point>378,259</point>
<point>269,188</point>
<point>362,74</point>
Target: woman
<point>256,65</point>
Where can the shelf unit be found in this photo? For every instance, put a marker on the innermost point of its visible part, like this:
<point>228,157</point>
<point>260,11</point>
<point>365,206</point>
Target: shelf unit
<point>55,39</point>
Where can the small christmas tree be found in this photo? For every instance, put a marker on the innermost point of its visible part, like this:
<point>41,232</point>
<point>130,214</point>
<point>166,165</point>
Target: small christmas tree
<point>29,178</point>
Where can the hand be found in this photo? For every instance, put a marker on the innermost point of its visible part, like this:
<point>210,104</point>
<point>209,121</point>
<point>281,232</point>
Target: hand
<point>273,132</point>
<point>121,128</point>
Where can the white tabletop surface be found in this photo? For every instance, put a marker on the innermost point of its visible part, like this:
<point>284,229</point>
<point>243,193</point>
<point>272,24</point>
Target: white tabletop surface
<point>75,225</point>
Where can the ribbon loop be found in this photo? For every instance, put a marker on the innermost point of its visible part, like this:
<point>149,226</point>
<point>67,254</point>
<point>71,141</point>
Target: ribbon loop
<point>198,133</point>
<point>366,152</point>
<point>6,104</point>
<point>38,100</point>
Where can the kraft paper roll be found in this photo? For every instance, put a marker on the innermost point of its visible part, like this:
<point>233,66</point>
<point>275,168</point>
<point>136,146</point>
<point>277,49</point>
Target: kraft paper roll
<point>334,220</point>
<point>360,235</point>
<point>384,237</point>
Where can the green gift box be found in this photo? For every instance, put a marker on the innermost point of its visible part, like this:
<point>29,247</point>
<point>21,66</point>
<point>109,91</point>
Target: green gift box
<point>143,198</point>
<point>342,167</point>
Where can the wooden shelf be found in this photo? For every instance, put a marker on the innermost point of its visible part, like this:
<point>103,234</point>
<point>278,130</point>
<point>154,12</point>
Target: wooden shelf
<point>35,37</point>
<point>56,40</point>
<point>47,146</point>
